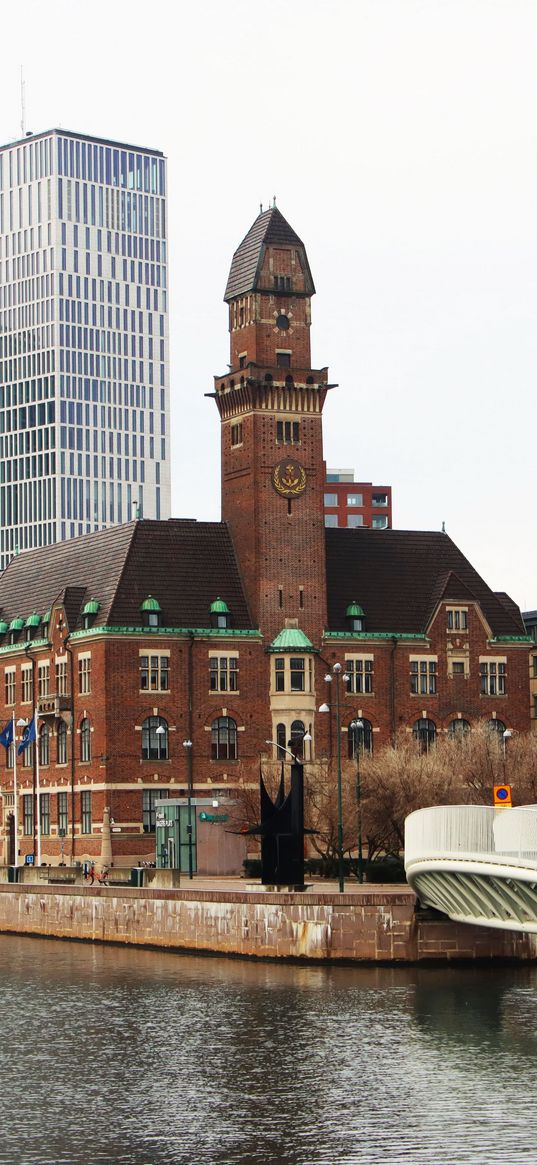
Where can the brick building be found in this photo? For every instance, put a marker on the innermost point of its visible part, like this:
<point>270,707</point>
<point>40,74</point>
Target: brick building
<point>161,657</point>
<point>349,503</point>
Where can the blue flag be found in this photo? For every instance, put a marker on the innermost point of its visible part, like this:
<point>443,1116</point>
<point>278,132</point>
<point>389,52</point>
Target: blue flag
<point>28,736</point>
<point>6,735</point>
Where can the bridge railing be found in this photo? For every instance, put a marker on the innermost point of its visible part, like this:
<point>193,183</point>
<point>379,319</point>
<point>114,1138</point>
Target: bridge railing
<point>472,833</point>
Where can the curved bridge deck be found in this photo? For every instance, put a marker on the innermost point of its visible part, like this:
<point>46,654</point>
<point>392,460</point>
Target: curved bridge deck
<point>475,863</point>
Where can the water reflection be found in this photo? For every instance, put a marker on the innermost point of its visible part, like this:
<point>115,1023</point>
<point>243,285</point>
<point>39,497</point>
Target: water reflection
<point>116,1056</point>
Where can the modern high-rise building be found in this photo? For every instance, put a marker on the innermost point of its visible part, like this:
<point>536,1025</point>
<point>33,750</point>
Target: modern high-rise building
<point>84,368</point>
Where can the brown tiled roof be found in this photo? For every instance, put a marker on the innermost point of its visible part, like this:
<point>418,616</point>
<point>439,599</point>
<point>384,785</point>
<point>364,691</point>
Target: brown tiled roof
<point>269,229</point>
<point>184,564</point>
<point>399,576</point>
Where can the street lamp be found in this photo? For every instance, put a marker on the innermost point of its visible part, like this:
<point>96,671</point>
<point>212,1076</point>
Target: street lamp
<point>187,745</point>
<point>338,672</point>
<point>306,739</point>
<point>505,737</point>
<point>355,727</point>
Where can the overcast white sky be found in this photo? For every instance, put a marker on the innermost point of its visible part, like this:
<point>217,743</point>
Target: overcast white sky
<point>399,137</point>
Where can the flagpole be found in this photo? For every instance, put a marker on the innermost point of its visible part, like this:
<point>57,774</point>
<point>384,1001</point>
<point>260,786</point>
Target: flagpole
<point>15,793</point>
<point>38,791</point>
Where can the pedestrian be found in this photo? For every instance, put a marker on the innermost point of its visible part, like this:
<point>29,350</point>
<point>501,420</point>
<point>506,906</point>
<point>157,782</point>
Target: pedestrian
<point>104,876</point>
<point>92,873</point>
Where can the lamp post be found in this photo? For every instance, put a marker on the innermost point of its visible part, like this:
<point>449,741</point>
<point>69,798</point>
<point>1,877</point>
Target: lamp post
<point>355,726</point>
<point>306,739</point>
<point>187,745</point>
<point>505,737</point>
<point>339,674</point>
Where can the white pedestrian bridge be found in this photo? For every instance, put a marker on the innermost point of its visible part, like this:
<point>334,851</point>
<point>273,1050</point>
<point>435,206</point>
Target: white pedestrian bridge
<point>475,863</point>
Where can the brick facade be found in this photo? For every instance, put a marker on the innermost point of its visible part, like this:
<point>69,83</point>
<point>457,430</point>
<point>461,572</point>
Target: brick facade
<point>435,645</point>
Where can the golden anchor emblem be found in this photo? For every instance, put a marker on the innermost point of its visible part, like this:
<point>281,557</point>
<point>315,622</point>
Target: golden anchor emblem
<point>289,478</point>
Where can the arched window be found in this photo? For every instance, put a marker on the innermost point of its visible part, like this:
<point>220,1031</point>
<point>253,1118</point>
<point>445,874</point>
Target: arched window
<point>458,728</point>
<point>44,745</point>
<point>155,738</point>
<point>224,739</point>
<point>496,726</point>
<point>360,737</point>
<point>61,743</point>
<point>85,740</point>
<point>296,743</point>
<point>281,735</point>
<point>424,731</point>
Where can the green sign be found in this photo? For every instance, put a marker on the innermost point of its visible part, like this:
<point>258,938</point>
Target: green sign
<point>213,816</point>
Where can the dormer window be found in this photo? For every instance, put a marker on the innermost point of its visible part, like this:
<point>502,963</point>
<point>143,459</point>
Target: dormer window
<point>32,626</point>
<point>220,616</point>
<point>15,628</point>
<point>355,617</point>
<point>89,612</point>
<point>151,612</point>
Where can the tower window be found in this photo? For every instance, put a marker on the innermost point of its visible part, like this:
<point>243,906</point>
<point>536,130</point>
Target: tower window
<point>282,322</point>
<point>288,432</point>
<point>236,434</point>
<point>283,359</point>
<point>282,282</point>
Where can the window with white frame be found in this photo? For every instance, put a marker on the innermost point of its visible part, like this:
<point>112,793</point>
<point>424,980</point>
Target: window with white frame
<point>9,677</point>
<point>84,674</point>
<point>43,679</point>
<point>493,673</point>
<point>61,677</point>
<point>27,676</point>
<point>293,673</point>
<point>154,673</point>
<point>224,673</point>
<point>423,675</point>
<point>359,669</point>
<point>457,618</point>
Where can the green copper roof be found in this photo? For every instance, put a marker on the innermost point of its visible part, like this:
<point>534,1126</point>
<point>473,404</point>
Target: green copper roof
<point>33,620</point>
<point>150,604</point>
<point>291,639</point>
<point>354,611</point>
<point>16,624</point>
<point>46,617</point>
<point>3,626</point>
<point>219,607</point>
<point>91,607</point>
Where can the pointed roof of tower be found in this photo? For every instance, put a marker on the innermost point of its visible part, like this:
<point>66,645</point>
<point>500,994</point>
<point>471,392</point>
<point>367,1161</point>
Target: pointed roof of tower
<point>269,229</point>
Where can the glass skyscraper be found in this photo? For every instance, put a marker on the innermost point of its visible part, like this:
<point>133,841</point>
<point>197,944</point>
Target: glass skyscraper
<point>84,367</point>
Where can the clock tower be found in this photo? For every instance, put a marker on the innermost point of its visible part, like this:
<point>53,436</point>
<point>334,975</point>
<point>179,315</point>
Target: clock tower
<point>270,404</point>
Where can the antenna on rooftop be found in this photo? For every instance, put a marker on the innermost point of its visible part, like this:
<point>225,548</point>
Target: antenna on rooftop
<point>23,103</point>
<point>261,208</point>
<point>443,527</point>
<point>273,200</point>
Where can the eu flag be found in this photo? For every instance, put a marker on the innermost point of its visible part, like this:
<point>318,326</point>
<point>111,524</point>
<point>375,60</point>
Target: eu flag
<point>6,735</point>
<point>28,736</point>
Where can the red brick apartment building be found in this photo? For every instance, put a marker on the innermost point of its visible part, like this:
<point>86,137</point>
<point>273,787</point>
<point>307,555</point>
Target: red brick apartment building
<point>161,657</point>
<point>349,503</point>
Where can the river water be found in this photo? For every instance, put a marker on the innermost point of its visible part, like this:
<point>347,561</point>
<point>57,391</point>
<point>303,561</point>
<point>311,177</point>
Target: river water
<point>109,1055</point>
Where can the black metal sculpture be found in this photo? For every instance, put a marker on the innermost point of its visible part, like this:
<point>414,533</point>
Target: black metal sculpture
<point>282,831</point>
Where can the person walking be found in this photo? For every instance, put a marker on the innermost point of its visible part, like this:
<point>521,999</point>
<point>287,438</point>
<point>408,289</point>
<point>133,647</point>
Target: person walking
<point>92,873</point>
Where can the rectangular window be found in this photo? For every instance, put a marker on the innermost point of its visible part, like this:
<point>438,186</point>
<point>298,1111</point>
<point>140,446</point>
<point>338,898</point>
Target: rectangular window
<point>149,798</point>
<point>28,814</point>
<point>279,666</point>
<point>360,672</point>
<point>355,500</point>
<point>84,674</point>
<point>379,500</point>
<point>154,673</point>
<point>283,359</point>
<point>330,521</point>
<point>379,522</point>
<point>296,670</point>
<point>423,674</point>
<point>224,673</point>
<point>354,521</point>
<point>493,674</point>
<point>457,619</point>
<point>330,499</point>
<point>86,811</point>
<point>43,679</point>
<point>457,667</point>
<point>61,677</point>
<point>62,812</point>
<point>27,684</point>
<point>236,435</point>
<point>288,432</point>
<point>9,675</point>
<point>44,811</point>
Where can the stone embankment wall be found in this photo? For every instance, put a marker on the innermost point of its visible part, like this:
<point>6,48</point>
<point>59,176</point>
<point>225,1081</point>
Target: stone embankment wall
<point>377,925</point>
